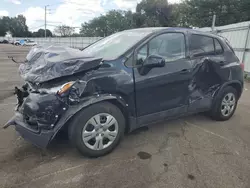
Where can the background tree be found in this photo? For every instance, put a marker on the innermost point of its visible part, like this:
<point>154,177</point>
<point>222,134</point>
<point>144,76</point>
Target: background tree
<point>4,25</point>
<point>113,21</point>
<point>16,25</point>
<point>64,30</point>
<point>153,13</point>
<point>200,12</point>
<point>179,16</point>
<point>149,13</point>
<point>41,33</point>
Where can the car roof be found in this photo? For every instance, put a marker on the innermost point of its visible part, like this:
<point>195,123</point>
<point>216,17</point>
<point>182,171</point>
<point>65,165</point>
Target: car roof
<point>180,29</point>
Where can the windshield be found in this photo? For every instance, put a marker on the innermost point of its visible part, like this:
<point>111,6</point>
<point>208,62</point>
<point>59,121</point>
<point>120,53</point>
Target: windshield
<point>115,45</point>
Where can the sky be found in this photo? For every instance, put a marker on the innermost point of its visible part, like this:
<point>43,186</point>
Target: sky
<point>68,12</point>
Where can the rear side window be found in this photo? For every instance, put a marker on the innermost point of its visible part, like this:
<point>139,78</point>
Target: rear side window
<point>201,45</point>
<point>228,44</point>
<point>218,47</point>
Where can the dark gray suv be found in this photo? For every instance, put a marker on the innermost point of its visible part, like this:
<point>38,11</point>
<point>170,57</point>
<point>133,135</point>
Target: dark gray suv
<point>122,82</point>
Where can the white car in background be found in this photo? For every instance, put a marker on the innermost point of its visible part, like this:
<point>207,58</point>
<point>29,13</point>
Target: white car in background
<point>24,42</point>
<point>28,42</point>
<point>16,42</point>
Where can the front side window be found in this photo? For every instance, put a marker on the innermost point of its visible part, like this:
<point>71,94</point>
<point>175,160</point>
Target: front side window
<point>201,45</point>
<point>170,46</point>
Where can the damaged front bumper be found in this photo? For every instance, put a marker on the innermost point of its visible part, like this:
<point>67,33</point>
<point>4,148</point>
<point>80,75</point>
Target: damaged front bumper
<point>41,116</point>
<point>38,138</point>
<point>37,118</point>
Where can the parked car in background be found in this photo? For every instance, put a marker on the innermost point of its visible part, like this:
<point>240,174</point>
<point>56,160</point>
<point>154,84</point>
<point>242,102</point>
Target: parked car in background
<point>17,42</point>
<point>122,82</point>
<point>25,42</point>
<point>4,41</point>
<point>29,43</point>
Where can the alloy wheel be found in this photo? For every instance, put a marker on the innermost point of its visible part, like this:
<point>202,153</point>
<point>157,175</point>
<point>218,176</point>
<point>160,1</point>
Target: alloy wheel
<point>228,104</point>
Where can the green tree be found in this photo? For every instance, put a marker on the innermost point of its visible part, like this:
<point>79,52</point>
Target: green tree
<point>41,33</point>
<point>200,12</point>
<point>149,13</point>
<point>158,13</point>
<point>4,25</point>
<point>245,10</point>
<point>17,26</point>
<point>153,13</point>
<point>113,21</point>
<point>179,16</point>
<point>64,30</point>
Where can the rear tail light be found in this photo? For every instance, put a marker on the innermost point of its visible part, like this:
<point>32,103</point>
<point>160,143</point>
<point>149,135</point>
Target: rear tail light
<point>242,66</point>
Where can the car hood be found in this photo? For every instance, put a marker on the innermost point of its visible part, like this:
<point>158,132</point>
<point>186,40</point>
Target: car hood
<point>49,62</point>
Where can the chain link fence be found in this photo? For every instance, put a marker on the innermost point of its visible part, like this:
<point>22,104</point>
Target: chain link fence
<point>74,42</point>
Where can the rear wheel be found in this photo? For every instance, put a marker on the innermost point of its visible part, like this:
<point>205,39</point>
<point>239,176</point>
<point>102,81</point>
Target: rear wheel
<point>225,105</point>
<point>97,130</point>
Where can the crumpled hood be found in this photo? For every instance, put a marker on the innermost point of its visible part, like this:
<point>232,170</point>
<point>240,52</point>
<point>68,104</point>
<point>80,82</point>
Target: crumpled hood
<point>48,62</point>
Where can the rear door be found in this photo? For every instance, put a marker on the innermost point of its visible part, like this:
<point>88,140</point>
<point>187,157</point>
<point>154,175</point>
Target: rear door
<point>163,91</point>
<point>208,60</point>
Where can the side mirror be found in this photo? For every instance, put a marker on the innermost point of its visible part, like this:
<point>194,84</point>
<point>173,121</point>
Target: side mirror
<point>154,61</point>
<point>150,62</point>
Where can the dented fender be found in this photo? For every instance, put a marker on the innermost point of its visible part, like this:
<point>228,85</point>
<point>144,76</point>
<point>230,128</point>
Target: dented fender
<point>43,137</point>
<point>85,102</point>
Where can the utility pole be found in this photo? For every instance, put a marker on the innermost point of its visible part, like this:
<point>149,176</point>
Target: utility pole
<point>45,20</point>
<point>213,23</point>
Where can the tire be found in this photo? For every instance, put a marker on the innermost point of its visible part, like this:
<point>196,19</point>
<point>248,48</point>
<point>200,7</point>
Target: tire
<point>82,122</point>
<point>226,95</point>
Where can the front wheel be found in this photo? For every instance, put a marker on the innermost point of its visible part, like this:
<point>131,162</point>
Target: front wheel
<point>97,130</point>
<point>225,105</point>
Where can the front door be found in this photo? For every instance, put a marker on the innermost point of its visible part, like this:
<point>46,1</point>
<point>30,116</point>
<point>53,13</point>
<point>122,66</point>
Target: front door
<point>163,91</point>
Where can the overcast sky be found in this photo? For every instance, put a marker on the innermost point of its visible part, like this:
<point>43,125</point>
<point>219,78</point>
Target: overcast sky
<point>69,12</point>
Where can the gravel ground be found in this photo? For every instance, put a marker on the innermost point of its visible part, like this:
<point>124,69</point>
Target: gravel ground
<point>189,152</point>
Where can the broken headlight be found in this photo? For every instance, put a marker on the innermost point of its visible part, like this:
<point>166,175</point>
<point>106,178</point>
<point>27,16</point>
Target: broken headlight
<point>58,89</point>
<point>70,90</point>
<point>65,88</point>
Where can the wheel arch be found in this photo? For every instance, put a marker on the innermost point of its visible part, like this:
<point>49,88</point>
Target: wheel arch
<point>71,113</point>
<point>237,85</point>
<point>215,111</point>
<point>123,108</point>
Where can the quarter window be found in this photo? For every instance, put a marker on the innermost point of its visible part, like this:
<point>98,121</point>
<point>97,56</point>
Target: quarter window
<point>218,47</point>
<point>170,46</point>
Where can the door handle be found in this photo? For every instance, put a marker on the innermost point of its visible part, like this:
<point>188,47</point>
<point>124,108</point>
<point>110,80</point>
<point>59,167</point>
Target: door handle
<point>184,71</point>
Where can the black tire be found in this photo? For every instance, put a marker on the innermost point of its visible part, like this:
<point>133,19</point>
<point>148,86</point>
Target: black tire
<point>79,121</point>
<point>215,112</point>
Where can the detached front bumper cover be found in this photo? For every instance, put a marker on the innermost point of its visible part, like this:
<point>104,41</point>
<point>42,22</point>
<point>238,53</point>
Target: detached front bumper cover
<point>38,138</point>
<point>37,117</point>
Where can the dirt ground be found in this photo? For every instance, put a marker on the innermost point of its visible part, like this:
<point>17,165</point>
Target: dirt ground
<point>189,152</point>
